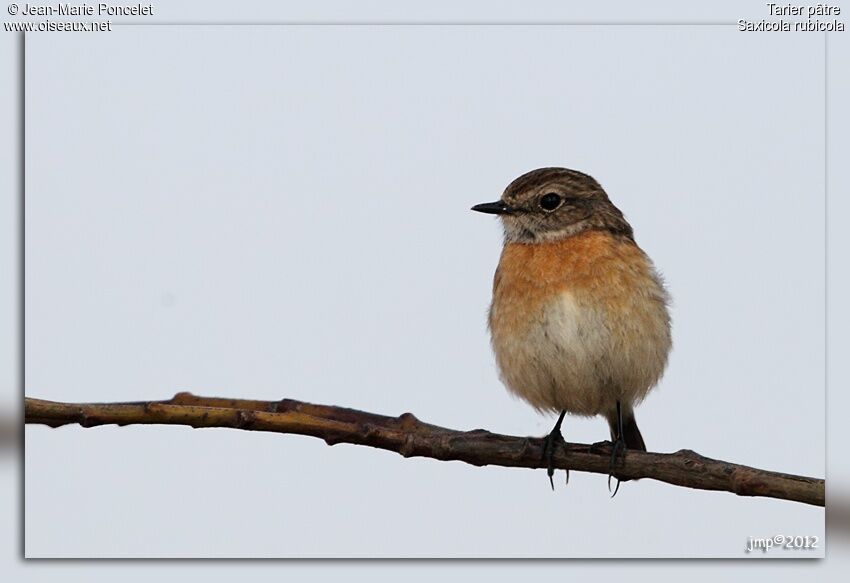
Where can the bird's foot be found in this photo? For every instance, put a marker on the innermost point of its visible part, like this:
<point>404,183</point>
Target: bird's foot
<point>550,442</point>
<point>618,449</point>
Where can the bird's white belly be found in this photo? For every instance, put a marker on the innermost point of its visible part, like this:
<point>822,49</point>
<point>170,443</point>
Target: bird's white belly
<point>576,357</point>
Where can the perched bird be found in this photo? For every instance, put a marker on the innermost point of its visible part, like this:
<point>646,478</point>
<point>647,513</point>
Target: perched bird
<point>579,319</point>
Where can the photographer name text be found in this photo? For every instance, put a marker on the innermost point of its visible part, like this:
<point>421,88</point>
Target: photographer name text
<point>100,9</point>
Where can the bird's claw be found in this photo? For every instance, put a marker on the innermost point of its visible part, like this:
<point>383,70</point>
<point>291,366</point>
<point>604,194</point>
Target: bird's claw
<point>617,450</point>
<point>549,444</point>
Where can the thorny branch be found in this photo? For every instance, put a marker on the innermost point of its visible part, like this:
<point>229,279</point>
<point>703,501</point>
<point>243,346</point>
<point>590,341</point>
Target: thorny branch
<point>413,438</point>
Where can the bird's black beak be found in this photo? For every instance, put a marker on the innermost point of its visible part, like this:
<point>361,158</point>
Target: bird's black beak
<point>493,208</point>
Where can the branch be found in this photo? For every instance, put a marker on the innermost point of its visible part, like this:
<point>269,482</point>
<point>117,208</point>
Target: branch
<point>413,438</point>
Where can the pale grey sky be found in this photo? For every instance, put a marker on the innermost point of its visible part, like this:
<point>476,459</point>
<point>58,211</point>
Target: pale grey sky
<point>277,212</point>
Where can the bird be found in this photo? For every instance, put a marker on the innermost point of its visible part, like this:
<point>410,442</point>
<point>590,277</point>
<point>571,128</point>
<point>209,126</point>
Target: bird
<point>579,320</point>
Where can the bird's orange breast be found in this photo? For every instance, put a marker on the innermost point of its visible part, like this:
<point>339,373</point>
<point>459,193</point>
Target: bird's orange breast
<point>595,267</point>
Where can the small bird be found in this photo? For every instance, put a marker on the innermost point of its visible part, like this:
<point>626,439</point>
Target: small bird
<point>579,320</point>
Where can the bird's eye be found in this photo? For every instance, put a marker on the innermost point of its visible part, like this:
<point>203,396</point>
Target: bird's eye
<point>551,201</point>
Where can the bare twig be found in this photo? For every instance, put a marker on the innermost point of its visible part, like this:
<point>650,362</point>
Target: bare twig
<point>411,438</point>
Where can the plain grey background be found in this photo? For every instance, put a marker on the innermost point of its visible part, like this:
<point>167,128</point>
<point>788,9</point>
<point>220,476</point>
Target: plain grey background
<point>273,212</point>
<point>660,11</point>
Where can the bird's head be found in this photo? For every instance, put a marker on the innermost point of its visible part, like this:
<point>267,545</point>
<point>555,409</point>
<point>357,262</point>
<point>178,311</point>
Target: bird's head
<point>554,203</point>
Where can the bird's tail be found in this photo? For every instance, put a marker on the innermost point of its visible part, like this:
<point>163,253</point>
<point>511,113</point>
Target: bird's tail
<point>631,433</point>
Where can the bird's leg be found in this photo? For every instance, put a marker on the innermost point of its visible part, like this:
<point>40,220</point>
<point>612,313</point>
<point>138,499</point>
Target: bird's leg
<point>549,443</point>
<point>618,449</point>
